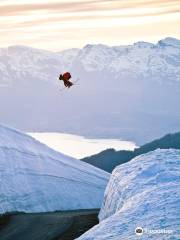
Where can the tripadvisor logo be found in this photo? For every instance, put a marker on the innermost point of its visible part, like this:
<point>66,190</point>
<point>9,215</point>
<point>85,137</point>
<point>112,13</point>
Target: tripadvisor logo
<point>139,231</point>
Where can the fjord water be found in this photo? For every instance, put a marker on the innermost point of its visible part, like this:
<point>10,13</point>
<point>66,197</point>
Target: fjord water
<point>79,146</point>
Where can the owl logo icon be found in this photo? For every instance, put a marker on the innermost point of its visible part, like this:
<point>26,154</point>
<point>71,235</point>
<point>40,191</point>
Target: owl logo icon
<point>139,231</point>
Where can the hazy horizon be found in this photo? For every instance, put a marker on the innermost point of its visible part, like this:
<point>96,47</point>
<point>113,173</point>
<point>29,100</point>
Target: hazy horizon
<point>39,48</point>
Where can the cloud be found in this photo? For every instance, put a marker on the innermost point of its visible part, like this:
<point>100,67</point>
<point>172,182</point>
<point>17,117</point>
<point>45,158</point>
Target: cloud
<point>27,22</point>
<point>79,6</point>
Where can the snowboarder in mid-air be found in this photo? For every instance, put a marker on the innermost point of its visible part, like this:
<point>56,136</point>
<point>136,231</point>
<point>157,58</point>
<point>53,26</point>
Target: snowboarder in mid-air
<point>65,78</point>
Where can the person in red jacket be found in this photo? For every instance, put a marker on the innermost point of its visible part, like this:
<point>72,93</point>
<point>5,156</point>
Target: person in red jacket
<point>65,78</point>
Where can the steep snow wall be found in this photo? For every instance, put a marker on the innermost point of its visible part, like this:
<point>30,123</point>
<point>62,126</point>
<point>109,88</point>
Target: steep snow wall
<point>144,193</point>
<point>35,178</point>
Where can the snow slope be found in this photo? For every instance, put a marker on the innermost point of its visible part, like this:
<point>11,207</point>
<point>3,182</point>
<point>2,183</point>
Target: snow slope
<point>142,193</point>
<point>35,178</point>
<point>124,88</point>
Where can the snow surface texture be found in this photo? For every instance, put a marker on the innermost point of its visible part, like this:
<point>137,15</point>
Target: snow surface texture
<point>145,193</point>
<point>35,178</point>
<point>124,88</point>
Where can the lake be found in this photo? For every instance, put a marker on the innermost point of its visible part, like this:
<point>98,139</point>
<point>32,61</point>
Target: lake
<point>79,146</point>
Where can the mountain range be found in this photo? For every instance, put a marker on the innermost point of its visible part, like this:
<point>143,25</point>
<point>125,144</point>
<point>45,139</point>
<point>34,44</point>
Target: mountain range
<point>130,92</point>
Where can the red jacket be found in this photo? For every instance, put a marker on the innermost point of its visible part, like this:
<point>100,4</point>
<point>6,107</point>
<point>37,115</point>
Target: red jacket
<point>66,76</point>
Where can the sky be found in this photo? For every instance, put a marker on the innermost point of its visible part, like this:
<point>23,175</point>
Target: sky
<point>79,146</point>
<point>61,24</point>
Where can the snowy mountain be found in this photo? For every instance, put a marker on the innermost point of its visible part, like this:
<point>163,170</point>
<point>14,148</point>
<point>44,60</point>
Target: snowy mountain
<point>35,178</point>
<point>124,88</point>
<point>142,193</point>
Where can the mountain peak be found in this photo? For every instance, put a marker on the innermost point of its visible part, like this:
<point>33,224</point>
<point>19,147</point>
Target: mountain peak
<point>90,46</point>
<point>169,41</point>
<point>19,47</point>
<point>142,44</point>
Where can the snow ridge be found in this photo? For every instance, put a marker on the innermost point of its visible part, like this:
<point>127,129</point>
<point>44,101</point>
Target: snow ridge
<point>35,178</point>
<point>142,193</point>
<point>142,58</point>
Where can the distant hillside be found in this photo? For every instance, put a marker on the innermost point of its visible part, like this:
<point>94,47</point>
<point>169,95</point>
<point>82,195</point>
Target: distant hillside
<point>109,159</point>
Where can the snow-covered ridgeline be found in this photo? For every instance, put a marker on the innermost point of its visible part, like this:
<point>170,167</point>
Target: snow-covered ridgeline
<point>35,178</point>
<point>141,59</point>
<point>116,85</point>
<point>144,193</point>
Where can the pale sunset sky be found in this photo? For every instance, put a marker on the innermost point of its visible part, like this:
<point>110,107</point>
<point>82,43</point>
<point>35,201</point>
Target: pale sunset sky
<point>61,24</point>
